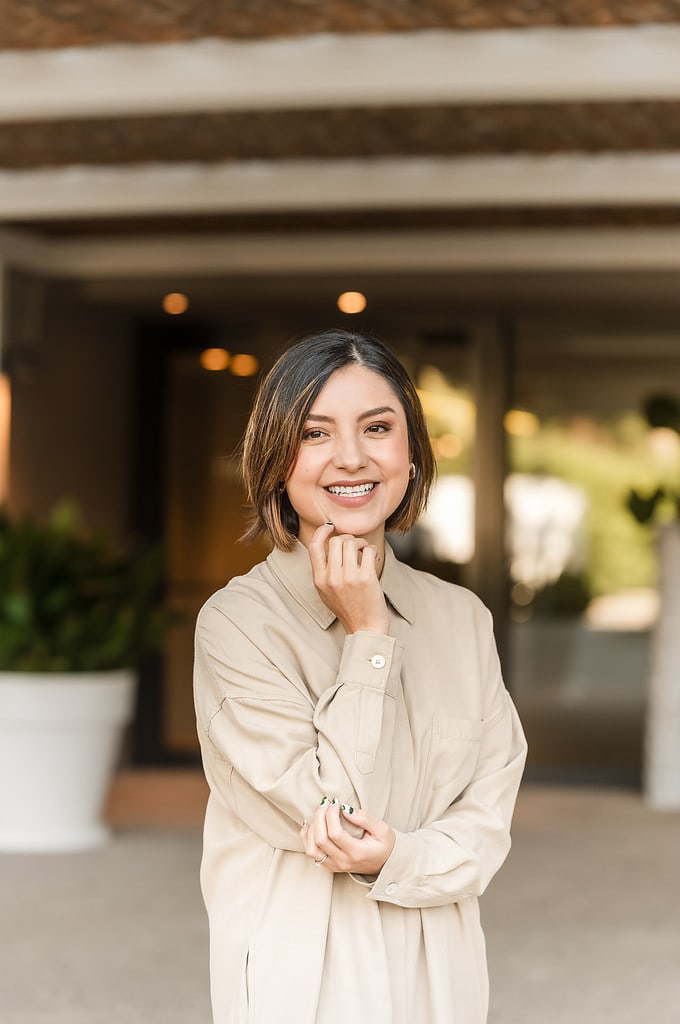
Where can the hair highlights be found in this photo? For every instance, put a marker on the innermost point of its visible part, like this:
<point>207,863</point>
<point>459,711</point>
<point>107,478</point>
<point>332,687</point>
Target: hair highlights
<point>282,403</point>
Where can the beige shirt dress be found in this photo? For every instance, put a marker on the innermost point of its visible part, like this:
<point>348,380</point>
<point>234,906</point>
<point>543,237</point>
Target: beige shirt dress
<point>418,729</point>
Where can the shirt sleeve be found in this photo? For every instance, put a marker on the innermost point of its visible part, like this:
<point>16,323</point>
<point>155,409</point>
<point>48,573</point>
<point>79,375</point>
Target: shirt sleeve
<point>270,750</point>
<point>457,855</point>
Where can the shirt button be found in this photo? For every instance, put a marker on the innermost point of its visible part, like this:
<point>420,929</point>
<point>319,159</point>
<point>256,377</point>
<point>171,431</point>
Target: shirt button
<point>391,889</point>
<point>377,661</point>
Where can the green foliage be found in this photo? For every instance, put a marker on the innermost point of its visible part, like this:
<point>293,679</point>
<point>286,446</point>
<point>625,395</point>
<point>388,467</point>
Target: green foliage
<point>643,506</point>
<point>663,411</point>
<point>663,503</point>
<point>73,603</point>
<point>602,463</point>
<point>568,595</point>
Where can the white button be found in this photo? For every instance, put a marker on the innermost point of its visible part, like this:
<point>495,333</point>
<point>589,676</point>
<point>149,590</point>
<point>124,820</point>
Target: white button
<point>377,661</point>
<point>391,889</point>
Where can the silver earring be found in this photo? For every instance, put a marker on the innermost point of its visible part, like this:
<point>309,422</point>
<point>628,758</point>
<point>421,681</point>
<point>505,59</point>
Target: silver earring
<point>412,471</point>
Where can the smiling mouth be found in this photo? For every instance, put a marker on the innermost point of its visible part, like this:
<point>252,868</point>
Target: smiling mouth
<point>356,491</point>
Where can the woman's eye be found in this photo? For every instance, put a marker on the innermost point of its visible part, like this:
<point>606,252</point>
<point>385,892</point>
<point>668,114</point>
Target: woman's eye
<point>377,428</point>
<point>312,435</point>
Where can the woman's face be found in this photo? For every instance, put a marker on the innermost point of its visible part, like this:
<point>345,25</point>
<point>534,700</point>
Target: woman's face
<point>352,468</point>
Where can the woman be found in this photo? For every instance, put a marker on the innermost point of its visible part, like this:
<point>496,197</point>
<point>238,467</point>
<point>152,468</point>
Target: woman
<point>362,752</point>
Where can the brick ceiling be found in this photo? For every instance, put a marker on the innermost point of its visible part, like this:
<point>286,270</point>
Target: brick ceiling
<point>317,134</point>
<point>338,133</point>
<point>36,24</point>
<point>344,133</point>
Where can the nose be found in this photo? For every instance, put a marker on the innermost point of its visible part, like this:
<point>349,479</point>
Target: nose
<point>349,453</point>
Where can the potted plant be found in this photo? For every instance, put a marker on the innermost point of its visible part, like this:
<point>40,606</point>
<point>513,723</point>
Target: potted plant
<point>77,615</point>
<point>661,509</point>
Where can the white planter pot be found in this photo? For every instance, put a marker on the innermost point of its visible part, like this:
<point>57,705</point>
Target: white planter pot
<point>60,737</point>
<point>662,734</point>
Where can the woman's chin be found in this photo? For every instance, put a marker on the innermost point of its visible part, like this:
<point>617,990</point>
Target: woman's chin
<point>359,526</point>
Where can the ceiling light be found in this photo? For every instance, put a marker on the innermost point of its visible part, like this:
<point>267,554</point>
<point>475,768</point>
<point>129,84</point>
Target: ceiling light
<point>351,302</point>
<point>215,359</point>
<point>244,365</point>
<point>175,303</point>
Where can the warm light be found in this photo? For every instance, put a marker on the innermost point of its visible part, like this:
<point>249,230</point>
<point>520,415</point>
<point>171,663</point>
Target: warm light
<point>175,303</point>
<point>244,365</point>
<point>5,418</point>
<point>448,446</point>
<point>351,302</point>
<point>665,444</point>
<point>521,423</point>
<point>215,359</point>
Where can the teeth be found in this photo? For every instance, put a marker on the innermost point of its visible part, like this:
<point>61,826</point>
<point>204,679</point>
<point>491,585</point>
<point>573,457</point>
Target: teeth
<point>359,489</point>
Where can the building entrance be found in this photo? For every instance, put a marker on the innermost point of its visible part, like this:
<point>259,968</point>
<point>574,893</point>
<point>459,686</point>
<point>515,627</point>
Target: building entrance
<point>539,436</point>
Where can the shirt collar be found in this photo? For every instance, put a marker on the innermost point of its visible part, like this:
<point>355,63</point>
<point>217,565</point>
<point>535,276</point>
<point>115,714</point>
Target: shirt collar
<point>293,571</point>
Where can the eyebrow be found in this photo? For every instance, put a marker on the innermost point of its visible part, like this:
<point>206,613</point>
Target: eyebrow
<point>379,411</point>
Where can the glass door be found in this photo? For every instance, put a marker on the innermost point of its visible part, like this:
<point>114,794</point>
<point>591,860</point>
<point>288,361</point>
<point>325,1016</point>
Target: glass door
<point>583,569</point>
<point>204,398</point>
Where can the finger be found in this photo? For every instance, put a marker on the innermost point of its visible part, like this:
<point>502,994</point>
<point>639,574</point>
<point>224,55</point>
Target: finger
<point>338,835</point>
<point>318,833</point>
<point>362,819</point>
<point>369,555</point>
<point>318,554</point>
<point>308,843</point>
<point>329,832</point>
<point>327,863</point>
<point>316,839</point>
<point>343,556</point>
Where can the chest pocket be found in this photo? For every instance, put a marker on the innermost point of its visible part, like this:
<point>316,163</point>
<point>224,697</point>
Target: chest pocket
<point>452,755</point>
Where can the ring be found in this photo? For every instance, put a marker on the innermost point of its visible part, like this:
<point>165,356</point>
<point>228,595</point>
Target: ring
<point>318,863</point>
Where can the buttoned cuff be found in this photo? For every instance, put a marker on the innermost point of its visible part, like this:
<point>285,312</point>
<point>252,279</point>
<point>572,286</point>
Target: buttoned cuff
<point>395,881</point>
<point>366,880</point>
<point>372,660</point>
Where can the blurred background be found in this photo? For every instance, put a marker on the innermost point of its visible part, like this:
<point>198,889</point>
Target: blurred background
<point>494,188</point>
<point>186,187</point>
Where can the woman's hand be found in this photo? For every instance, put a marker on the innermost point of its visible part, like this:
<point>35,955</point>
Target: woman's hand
<point>326,839</point>
<point>345,575</point>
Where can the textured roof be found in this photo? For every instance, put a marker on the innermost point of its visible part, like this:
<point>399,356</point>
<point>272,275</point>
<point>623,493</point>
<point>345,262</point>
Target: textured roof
<point>368,131</point>
<point>338,133</point>
<point>41,24</point>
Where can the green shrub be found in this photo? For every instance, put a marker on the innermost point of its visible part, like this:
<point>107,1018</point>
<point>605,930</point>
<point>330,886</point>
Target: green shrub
<point>75,603</point>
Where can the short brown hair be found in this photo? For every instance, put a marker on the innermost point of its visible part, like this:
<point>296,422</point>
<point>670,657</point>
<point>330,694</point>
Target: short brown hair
<point>282,403</point>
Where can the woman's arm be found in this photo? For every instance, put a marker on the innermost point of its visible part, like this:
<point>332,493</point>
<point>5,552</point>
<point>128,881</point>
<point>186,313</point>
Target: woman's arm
<point>456,854</point>
<point>268,750</point>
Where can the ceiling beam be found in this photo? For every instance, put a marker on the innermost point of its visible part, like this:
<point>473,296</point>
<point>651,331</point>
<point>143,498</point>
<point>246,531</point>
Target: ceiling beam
<point>326,70</point>
<point>419,252</point>
<point>567,179</point>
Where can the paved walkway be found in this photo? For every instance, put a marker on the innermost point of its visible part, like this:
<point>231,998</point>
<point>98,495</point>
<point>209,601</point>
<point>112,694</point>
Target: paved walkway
<point>583,923</point>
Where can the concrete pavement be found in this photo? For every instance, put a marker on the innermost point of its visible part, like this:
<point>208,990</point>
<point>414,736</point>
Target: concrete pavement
<point>583,922</point>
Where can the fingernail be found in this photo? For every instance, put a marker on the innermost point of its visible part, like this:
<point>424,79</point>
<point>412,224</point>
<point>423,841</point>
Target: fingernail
<point>346,809</point>
<point>305,823</point>
<point>329,524</point>
<point>334,801</point>
<point>324,801</point>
